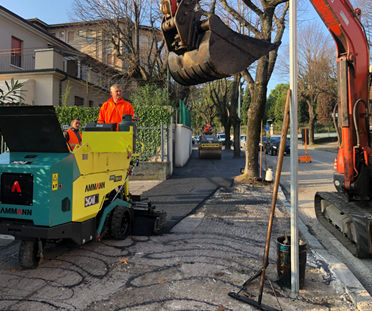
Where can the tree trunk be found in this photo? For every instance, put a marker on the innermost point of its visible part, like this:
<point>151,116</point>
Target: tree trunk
<point>255,114</point>
<point>227,135</point>
<point>235,121</point>
<point>237,140</point>
<point>311,123</point>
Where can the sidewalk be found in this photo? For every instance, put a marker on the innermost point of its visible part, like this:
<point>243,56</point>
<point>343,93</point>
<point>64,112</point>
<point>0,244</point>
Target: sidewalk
<point>213,252</point>
<point>352,287</point>
<point>360,297</point>
<point>207,255</point>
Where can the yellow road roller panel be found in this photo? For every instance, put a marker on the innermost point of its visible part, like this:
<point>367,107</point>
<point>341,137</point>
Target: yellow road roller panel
<point>89,193</point>
<point>95,162</point>
<point>109,141</point>
<point>210,145</point>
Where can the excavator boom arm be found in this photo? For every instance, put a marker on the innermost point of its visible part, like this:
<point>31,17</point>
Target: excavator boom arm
<point>352,59</point>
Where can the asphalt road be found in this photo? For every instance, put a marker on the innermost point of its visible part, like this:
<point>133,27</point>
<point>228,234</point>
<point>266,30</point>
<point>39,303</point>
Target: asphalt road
<point>193,267</point>
<point>313,177</point>
<point>191,185</point>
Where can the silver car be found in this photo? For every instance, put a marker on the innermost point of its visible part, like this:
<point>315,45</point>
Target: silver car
<point>243,140</point>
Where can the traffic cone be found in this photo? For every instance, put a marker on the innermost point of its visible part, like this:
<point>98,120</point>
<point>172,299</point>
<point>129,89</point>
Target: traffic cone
<point>335,165</point>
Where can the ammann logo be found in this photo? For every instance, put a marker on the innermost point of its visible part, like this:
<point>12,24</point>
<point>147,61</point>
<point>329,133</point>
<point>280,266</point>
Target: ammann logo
<point>92,187</point>
<point>16,211</point>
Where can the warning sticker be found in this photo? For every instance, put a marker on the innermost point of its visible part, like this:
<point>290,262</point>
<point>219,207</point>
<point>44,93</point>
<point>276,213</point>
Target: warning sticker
<point>55,182</point>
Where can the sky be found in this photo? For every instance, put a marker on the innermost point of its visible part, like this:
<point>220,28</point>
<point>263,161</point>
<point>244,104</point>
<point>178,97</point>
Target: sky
<point>49,11</point>
<point>55,12</point>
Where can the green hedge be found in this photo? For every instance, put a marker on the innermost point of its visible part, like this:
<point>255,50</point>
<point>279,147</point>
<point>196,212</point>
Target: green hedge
<point>148,115</point>
<point>85,114</point>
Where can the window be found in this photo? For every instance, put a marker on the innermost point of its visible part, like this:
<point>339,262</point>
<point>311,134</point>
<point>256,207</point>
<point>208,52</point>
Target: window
<point>70,37</point>
<point>117,61</point>
<point>109,59</point>
<point>91,103</point>
<point>80,33</point>
<point>143,41</point>
<point>53,34</point>
<point>79,101</point>
<point>90,35</point>
<point>16,53</point>
<point>61,34</point>
<point>84,73</point>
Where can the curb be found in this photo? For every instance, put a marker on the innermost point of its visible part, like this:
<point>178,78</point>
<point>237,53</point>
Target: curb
<point>356,291</point>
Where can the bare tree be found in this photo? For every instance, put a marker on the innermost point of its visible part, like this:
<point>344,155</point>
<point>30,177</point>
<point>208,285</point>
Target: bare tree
<point>366,17</point>
<point>266,21</point>
<point>120,34</point>
<point>316,69</point>
<point>325,105</point>
<point>202,103</point>
<point>219,92</point>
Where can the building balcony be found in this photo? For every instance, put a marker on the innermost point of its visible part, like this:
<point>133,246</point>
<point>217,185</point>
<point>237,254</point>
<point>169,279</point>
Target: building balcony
<point>11,62</point>
<point>50,58</point>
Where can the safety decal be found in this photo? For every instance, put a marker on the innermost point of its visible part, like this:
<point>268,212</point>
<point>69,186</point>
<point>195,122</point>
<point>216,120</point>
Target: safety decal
<point>55,182</point>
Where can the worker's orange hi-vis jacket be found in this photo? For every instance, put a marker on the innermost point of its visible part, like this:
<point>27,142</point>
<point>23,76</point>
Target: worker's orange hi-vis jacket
<point>73,140</point>
<point>111,113</point>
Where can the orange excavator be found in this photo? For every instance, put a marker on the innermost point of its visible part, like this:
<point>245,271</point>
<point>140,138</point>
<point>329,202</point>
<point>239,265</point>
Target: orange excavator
<point>347,213</point>
<point>206,50</point>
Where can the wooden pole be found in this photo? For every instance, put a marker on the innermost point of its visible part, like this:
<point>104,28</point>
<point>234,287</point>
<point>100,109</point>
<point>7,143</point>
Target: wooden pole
<point>261,150</point>
<point>275,193</point>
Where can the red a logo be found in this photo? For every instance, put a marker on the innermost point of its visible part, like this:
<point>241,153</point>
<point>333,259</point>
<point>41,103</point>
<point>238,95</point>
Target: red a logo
<point>16,187</point>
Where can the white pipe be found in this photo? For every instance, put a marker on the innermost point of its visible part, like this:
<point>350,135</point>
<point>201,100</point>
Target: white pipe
<point>294,149</point>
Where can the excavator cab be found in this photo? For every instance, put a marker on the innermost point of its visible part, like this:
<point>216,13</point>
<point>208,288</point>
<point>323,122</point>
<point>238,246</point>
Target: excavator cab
<point>205,50</point>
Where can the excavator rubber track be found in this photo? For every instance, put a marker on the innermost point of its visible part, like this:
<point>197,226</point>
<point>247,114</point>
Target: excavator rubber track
<point>349,222</point>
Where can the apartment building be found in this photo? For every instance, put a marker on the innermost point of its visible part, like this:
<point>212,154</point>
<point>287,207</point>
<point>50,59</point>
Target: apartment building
<point>47,65</point>
<point>94,38</point>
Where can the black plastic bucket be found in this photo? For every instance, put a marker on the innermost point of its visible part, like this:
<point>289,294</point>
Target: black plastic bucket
<point>283,262</point>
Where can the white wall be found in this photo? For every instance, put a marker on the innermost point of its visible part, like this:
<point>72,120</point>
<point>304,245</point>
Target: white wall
<point>183,145</point>
<point>48,58</point>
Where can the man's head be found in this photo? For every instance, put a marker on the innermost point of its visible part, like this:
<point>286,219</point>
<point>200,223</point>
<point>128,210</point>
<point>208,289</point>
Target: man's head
<point>116,92</point>
<point>75,124</point>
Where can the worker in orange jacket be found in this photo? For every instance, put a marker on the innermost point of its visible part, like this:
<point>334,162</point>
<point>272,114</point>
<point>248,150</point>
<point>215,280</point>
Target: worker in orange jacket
<point>112,111</point>
<point>73,136</point>
<point>207,128</point>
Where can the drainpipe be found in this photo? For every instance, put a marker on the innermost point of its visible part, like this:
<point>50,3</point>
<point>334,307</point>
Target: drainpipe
<point>60,90</point>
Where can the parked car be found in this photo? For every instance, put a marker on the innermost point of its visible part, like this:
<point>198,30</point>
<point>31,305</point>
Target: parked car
<point>195,139</point>
<point>221,138</point>
<point>272,146</point>
<point>264,140</point>
<point>243,140</point>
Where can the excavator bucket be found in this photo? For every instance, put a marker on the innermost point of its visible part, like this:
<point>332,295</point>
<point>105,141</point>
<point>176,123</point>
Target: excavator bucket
<point>202,51</point>
<point>222,52</point>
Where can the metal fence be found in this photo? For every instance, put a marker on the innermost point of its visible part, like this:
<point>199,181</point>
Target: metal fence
<point>185,117</point>
<point>9,62</point>
<point>154,140</point>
